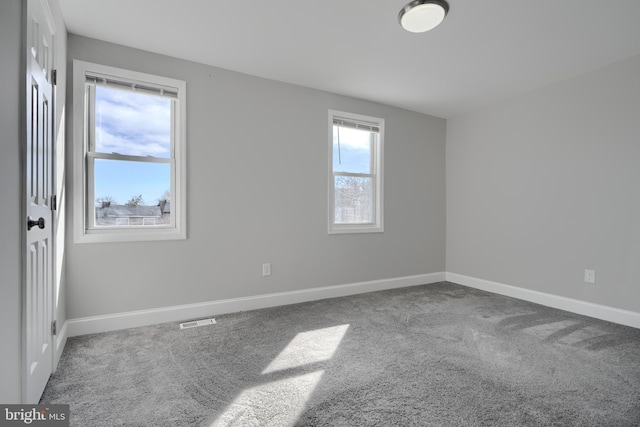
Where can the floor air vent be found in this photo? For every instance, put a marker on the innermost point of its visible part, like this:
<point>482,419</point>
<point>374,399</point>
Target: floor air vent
<point>196,323</point>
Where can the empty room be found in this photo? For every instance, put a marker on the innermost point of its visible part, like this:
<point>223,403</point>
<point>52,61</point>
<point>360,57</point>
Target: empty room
<point>338,213</point>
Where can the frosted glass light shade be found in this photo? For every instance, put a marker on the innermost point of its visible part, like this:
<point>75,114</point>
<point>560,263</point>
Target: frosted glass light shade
<point>423,15</point>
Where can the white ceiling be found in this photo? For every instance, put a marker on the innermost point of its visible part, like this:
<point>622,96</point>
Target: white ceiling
<point>484,51</point>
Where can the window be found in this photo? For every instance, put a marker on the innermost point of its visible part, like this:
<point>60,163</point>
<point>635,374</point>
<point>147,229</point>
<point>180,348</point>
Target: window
<point>355,178</point>
<point>129,155</point>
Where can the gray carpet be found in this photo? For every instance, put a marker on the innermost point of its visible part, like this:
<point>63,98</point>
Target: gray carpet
<point>433,355</point>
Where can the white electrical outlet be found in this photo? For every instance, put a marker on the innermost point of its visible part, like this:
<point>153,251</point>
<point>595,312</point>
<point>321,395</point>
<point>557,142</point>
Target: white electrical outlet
<point>590,276</point>
<point>266,269</point>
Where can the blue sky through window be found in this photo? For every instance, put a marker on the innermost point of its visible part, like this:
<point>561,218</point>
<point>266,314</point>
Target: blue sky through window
<point>136,124</point>
<point>122,180</point>
<point>354,151</point>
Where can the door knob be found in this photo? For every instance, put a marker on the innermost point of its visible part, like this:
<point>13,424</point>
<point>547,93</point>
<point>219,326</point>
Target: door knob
<point>32,223</point>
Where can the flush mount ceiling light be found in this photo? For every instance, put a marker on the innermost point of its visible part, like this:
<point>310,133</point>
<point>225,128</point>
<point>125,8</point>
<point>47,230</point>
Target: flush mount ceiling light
<point>423,15</point>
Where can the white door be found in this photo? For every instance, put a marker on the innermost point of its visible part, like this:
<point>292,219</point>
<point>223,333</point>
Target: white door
<point>37,293</point>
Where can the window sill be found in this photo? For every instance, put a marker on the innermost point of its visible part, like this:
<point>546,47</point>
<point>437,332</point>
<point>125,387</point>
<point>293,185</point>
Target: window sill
<point>114,236</point>
<point>355,229</point>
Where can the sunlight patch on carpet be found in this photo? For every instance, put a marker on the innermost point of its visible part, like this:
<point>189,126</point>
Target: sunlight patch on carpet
<point>307,348</point>
<point>282,401</point>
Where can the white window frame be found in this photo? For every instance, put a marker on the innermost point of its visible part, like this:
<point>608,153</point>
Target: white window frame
<point>377,173</point>
<point>83,198</point>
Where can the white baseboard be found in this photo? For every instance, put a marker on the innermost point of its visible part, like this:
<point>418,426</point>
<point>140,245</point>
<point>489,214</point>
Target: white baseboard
<point>112,322</point>
<point>603,312</point>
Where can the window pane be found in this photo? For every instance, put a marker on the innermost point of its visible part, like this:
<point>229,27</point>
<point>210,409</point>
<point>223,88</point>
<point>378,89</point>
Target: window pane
<point>132,123</point>
<point>353,153</point>
<point>132,193</point>
<point>354,200</point>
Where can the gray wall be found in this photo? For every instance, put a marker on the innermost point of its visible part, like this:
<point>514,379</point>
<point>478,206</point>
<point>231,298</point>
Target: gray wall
<point>546,185</point>
<point>257,188</point>
<point>11,214</point>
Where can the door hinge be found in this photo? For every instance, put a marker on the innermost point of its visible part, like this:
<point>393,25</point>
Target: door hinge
<point>54,203</point>
<point>54,327</point>
<point>54,77</point>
